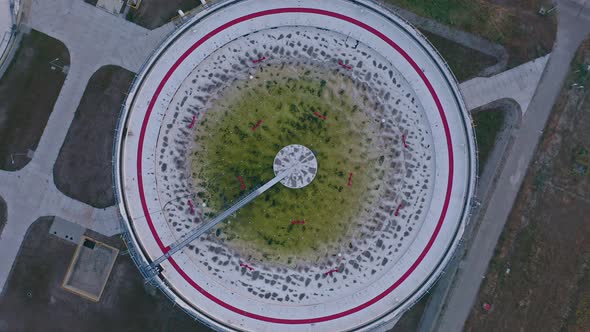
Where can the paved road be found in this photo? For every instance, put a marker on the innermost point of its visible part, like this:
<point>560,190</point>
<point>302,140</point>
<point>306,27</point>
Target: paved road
<point>573,27</point>
<point>518,83</point>
<point>94,38</point>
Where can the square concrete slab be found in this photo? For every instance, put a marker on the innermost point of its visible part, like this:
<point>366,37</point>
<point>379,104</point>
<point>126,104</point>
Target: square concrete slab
<point>90,268</point>
<point>66,230</point>
<point>112,6</point>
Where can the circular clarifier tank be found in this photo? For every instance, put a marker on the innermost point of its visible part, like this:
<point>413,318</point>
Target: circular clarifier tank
<point>363,113</point>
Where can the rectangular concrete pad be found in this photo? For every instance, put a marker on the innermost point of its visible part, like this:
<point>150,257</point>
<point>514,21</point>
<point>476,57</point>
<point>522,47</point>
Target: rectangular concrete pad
<point>111,6</point>
<point>66,230</point>
<point>90,268</point>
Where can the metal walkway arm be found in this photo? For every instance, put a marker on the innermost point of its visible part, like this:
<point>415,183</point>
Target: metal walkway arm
<point>192,235</point>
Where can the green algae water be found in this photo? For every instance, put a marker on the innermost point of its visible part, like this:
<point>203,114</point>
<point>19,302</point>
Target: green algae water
<point>236,144</point>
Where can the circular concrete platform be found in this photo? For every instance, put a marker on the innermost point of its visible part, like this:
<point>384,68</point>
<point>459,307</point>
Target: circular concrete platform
<point>411,220</point>
<point>299,158</point>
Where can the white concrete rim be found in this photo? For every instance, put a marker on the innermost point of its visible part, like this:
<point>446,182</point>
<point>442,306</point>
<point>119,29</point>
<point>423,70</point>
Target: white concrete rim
<point>450,84</point>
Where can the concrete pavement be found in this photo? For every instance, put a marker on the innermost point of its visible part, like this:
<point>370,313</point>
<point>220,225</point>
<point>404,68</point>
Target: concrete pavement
<point>573,27</point>
<point>24,206</point>
<point>94,38</point>
<point>107,39</point>
<point>519,84</point>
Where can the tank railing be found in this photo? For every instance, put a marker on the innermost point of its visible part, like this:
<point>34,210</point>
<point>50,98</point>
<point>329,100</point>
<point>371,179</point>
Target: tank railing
<point>156,282</point>
<point>144,267</point>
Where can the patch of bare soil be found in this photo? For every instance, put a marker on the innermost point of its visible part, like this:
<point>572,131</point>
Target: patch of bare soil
<point>28,91</point>
<point>528,34</point>
<point>539,278</point>
<point>83,169</point>
<point>35,301</point>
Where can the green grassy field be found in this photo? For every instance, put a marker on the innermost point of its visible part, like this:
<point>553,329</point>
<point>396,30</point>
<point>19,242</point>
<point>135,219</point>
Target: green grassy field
<point>295,107</point>
<point>514,24</point>
<point>467,14</point>
<point>471,15</point>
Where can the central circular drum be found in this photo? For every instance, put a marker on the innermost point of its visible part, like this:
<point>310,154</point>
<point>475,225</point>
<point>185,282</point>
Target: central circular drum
<point>364,116</point>
<point>301,160</point>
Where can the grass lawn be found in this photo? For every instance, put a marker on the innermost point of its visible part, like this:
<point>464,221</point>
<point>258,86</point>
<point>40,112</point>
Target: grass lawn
<point>292,110</point>
<point>515,24</point>
<point>452,12</point>
<point>487,125</point>
<point>470,15</point>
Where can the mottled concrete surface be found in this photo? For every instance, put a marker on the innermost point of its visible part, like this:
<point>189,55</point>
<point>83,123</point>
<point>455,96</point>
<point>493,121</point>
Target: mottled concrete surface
<point>378,238</point>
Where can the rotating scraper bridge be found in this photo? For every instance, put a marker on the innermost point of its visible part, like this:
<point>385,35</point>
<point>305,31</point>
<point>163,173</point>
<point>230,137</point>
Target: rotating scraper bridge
<point>409,237</point>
